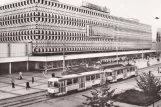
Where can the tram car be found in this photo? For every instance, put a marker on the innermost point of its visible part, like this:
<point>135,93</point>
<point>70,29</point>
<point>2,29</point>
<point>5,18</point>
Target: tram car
<point>121,72</point>
<point>60,85</point>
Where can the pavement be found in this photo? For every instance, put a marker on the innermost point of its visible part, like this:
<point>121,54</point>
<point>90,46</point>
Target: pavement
<point>40,83</point>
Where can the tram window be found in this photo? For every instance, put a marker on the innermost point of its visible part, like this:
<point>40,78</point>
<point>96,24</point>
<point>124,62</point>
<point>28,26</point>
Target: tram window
<point>50,84</point>
<point>128,69</point>
<point>92,77</point>
<point>119,72</point>
<point>75,80</point>
<point>87,78</point>
<point>56,84</point>
<point>97,76</point>
<point>108,73</point>
<point>131,69</point>
<point>69,81</point>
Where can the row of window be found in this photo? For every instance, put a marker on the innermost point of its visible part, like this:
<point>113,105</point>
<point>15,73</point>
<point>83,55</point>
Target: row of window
<point>120,71</point>
<point>69,49</point>
<point>53,21</point>
<point>88,78</point>
<point>42,32</point>
<point>55,38</point>
<point>83,48</point>
<point>73,81</point>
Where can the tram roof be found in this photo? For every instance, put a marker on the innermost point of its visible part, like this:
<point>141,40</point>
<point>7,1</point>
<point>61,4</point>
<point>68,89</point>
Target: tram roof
<point>122,67</point>
<point>78,75</point>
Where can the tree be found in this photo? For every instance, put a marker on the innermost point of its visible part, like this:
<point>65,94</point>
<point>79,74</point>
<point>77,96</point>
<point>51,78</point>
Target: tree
<point>100,97</point>
<point>149,83</point>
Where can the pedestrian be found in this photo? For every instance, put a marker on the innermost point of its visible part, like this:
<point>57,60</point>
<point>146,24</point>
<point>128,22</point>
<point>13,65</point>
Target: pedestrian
<point>13,83</point>
<point>27,85</point>
<point>43,73</point>
<point>32,79</point>
<point>20,76</point>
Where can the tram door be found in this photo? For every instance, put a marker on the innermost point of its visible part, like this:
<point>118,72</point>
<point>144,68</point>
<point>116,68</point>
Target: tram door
<point>62,88</point>
<point>114,75</point>
<point>82,83</point>
<point>125,73</point>
<point>136,71</point>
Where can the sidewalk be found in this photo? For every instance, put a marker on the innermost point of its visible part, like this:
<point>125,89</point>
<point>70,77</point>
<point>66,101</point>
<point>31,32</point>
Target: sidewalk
<point>40,84</point>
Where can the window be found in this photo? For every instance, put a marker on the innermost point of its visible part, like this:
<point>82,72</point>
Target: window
<point>108,73</point>
<point>118,72</point>
<point>128,69</point>
<point>92,77</point>
<point>53,84</point>
<point>97,76</point>
<point>87,78</point>
<point>69,81</point>
<point>75,80</point>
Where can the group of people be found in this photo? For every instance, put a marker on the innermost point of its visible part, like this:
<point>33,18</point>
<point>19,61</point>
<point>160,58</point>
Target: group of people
<point>20,77</point>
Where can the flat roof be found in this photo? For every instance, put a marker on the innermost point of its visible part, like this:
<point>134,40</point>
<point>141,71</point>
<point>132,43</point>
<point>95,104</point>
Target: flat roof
<point>69,57</point>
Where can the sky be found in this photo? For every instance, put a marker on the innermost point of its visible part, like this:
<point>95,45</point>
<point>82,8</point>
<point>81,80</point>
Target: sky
<point>143,10</point>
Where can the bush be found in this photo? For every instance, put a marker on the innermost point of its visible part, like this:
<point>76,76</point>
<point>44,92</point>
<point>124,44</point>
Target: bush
<point>149,84</point>
<point>136,97</point>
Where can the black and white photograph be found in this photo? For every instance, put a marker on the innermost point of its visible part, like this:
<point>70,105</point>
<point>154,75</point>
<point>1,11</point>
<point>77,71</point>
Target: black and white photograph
<point>80,53</point>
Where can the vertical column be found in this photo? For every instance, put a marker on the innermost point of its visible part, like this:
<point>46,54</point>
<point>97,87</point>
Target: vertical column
<point>142,55</point>
<point>27,65</point>
<point>9,50</point>
<point>10,68</point>
<point>46,67</point>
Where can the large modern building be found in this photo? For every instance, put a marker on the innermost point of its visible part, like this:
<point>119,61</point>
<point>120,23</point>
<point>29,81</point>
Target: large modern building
<point>53,27</point>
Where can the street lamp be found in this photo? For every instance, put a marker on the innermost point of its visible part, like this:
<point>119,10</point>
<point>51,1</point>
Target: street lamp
<point>117,48</point>
<point>158,47</point>
<point>63,54</point>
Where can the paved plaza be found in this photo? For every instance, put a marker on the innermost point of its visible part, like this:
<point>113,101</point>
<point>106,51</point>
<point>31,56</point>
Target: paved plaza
<point>40,84</point>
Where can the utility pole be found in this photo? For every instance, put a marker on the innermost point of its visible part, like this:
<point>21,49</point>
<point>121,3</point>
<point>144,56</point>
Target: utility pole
<point>117,48</point>
<point>158,47</point>
<point>63,54</point>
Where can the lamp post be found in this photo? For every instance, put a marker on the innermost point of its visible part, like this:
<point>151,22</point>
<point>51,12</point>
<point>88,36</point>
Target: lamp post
<point>117,49</point>
<point>158,47</point>
<point>63,54</point>
<point>116,37</point>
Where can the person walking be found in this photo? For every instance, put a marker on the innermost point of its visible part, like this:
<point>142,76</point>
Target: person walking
<point>27,85</point>
<point>20,76</point>
<point>43,73</point>
<point>32,79</point>
<point>13,83</point>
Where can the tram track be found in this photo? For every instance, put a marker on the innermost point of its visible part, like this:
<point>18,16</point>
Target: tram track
<point>26,100</point>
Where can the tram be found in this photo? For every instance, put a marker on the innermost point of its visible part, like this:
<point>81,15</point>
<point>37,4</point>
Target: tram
<point>121,72</point>
<point>60,85</point>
